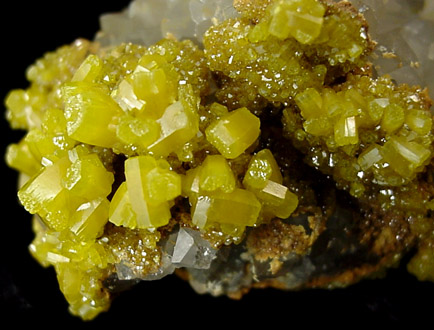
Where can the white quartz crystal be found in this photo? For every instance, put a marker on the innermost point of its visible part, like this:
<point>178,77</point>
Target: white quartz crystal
<point>404,30</point>
<point>428,10</point>
<point>148,21</point>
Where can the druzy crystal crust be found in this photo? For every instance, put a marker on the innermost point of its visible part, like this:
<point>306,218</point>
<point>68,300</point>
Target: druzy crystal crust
<point>238,144</point>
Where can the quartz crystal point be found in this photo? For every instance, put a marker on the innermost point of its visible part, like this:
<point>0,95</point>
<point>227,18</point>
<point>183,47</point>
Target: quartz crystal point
<point>238,144</point>
<point>192,251</point>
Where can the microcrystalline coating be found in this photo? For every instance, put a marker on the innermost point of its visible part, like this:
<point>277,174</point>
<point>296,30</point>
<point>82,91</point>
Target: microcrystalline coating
<point>254,145</point>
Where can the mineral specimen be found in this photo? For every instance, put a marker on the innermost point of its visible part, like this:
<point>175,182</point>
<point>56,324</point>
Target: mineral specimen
<point>240,145</point>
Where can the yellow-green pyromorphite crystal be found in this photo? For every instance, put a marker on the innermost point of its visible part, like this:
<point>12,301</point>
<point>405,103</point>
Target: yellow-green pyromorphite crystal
<point>135,154</point>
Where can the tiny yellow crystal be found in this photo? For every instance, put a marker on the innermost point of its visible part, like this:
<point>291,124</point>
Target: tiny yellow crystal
<point>301,19</point>
<point>91,114</point>
<point>239,207</point>
<point>233,133</point>
<point>88,221</point>
<point>142,201</point>
<point>215,174</point>
<point>179,124</point>
<point>264,179</point>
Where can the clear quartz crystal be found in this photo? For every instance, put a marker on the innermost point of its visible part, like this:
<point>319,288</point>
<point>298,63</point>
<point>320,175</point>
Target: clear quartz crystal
<point>184,248</point>
<point>192,251</point>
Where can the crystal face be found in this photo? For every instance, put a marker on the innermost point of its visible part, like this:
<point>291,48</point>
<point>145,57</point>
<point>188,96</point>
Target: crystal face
<point>238,145</point>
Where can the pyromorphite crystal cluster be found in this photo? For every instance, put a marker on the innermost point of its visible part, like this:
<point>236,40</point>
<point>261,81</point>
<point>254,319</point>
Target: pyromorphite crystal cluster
<point>228,159</point>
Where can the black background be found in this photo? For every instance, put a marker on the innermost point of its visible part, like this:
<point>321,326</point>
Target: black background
<point>29,293</point>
